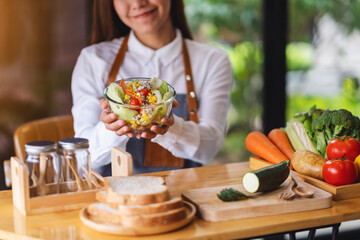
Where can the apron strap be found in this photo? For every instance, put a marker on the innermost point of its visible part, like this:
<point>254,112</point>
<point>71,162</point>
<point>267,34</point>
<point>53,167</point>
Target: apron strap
<point>190,95</point>
<point>118,61</point>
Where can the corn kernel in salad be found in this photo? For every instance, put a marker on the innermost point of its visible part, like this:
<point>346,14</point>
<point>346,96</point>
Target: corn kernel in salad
<point>145,117</point>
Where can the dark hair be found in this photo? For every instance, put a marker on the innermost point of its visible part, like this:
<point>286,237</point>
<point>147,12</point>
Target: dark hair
<point>106,24</point>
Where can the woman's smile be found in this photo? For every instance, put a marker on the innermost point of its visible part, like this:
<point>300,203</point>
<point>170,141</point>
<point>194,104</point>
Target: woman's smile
<point>144,14</point>
<point>149,19</point>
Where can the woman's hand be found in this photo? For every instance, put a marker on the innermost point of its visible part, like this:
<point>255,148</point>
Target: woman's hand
<point>120,128</point>
<point>110,120</point>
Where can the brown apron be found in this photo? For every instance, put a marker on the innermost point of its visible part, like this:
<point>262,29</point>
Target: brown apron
<point>155,155</point>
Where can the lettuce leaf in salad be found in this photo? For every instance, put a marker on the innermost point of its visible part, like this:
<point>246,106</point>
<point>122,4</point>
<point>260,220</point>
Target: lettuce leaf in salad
<point>163,88</point>
<point>162,111</point>
<point>158,84</point>
<point>155,83</point>
<point>167,96</point>
<point>115,92</point>
<point>158,96</point>
<point>123,113</point>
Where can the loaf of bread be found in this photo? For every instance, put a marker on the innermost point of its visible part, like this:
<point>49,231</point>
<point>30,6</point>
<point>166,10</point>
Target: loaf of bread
<point>136,201</point>
<point>103,213</point>
<point>136,190</point>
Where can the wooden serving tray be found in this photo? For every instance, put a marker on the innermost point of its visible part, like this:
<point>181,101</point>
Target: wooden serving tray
<point>29,205</point>
<point>119,229</point>
<point>26,200</point>
<point>338,193</point>
<point>211,208</point>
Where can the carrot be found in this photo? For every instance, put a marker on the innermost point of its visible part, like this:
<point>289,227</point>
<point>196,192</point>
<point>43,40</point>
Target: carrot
<point>281,140</point>
<point>122,84</point>
<point>129,91</point>
<point>133,94</point>
<point>260,145</point>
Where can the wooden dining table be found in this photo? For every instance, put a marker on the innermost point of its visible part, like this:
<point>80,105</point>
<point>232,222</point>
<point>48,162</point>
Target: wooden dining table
<point>67,224</point>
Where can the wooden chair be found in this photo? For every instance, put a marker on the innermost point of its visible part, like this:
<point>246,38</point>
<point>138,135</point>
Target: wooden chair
<point>51,129</point>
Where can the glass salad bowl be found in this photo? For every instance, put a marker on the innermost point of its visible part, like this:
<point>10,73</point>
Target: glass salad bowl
<point>140,102</point>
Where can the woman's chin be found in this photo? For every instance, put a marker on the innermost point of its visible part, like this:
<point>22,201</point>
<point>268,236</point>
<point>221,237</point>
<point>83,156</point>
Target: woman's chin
<point>147,29</point>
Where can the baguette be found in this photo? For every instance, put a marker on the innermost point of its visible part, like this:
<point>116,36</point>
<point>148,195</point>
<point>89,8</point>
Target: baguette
<point>172,204</point>
<point>136,190</point>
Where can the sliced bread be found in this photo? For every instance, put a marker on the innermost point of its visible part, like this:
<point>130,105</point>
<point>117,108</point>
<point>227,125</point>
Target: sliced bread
<point>103,213</point>
<point>171,204</point>
<point>102,196</point>
<point>152,220</point>
<point>136,190</point>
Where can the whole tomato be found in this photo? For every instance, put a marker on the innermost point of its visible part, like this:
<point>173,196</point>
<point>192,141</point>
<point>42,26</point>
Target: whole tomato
<point>343,147</point>
<point>340,172</point>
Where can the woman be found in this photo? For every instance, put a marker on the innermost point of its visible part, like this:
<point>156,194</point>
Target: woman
<point>150,38</point>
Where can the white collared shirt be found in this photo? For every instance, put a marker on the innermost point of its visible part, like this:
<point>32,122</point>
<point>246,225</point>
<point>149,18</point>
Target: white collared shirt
<point>212,76</point>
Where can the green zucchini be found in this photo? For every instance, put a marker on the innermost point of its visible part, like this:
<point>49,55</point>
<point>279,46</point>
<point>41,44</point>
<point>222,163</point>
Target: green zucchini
<point>267,178</point>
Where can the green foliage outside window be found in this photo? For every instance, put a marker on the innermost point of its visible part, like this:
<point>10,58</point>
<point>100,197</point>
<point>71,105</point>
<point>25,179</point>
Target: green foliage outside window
<point>349,99</point>
<point>235,27</point>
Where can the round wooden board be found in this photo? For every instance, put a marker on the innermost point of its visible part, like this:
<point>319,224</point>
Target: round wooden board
<point>119,229</point>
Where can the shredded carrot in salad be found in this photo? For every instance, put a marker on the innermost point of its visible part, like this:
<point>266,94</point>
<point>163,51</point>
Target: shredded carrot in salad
<point>122,84</point>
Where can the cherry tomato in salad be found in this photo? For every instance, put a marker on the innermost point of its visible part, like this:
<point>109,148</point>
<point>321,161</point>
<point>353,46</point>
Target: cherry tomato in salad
<point>136,102</point>
<point>144,92</point>
<point>343,147</point>
<point>340,172</point>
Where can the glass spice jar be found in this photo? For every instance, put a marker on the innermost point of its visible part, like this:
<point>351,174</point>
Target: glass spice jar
<point>44,167</point>
<point>75,162</point>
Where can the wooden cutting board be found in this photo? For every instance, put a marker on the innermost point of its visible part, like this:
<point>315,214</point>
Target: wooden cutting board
<point>339,192</point>
<point>210,208</point>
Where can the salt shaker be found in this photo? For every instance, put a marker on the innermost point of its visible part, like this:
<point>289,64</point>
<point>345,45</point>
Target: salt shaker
<point>75,162</point>
<point>44,167</point>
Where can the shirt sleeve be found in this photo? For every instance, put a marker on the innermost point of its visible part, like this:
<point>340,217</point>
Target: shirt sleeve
<point>201,142</point>
<point>87,89</point>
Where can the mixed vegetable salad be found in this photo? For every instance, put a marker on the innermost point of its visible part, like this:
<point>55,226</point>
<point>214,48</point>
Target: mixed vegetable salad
<point>141,102</point>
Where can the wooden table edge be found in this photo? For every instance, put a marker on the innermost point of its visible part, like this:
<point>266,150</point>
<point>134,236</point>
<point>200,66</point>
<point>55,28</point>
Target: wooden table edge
<point>319,216</point>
